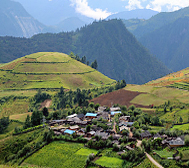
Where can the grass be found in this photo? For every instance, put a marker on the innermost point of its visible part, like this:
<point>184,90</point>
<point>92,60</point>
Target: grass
<point>86,151</point>
<point>175,115</point>
<point>20,117</point>
<point>18,106</point>
<point>181,127</point>
<point>59,154</point>
<point>157,95</point>
<point>165,153</point>
<point>10,128</point>
<point>109,162</point>
<point>185,155</point>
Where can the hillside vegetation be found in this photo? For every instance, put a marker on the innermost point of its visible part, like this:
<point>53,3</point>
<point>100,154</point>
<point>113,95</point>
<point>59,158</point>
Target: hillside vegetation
<point>165,35</point>
<point>49,70</point>
<point>118,53</point>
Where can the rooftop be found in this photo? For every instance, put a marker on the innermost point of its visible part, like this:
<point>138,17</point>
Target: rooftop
<point>115,112</point>
<point>69,131</point>
<point>90,115</point>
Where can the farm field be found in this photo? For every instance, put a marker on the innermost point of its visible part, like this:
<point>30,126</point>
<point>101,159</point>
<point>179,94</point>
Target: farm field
<point>60,154</point>
<point>109,162</point>
<point>181,127</point>
<point>175,116</point>
<point>165,153</point>
<point>122,97</point>
<point>157,95</point>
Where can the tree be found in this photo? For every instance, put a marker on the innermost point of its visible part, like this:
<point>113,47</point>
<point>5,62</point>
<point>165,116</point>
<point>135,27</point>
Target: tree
<point>36,118</point>
<point>45,112</point>
<point>94,64</point>
<point>27,123</point>
<point>181,120</point>
<point>4,122</point>
<point>88,128</point>
<point>186,140</point>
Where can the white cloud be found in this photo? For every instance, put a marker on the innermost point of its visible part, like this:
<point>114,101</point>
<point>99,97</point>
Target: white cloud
<point>170,5</point>
<point>82,7</point>
<point>134,4</point>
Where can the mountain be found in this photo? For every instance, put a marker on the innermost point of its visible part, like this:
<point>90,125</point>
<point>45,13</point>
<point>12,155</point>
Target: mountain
<point>15,21</point>
<point>141,28</point>
<point>118,53</point>
<point>52,12</point>
<point>70,24</point>
<point>170,43</point>
<point>133,14</point>
<point>49,70</point>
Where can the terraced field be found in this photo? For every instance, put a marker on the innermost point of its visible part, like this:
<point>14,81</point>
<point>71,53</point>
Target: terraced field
<point>49,70</point>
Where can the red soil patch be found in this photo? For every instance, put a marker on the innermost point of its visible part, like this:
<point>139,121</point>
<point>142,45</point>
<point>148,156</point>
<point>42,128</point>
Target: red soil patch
<point>122,97</point>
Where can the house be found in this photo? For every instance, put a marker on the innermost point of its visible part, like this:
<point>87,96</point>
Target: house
<point>81,132</point>
<point>68,132</point>
<point>129,124</point>
<point>103,115</point>
<point>90,115</point>
<point>72,116</point>
<point>123,123</point>
<point>101,109</point>
<point>75,127</point>
<point>157,136</point>
<point>176,143</point>
<point>124,118</point>
<point>59,122</point>
<point>115,112</point>
<point>146,134</point>
<point>123,128</point>
<point>90,134</point>
<point>103,135</point>
<point>115,108</point>
<point>81,116</point>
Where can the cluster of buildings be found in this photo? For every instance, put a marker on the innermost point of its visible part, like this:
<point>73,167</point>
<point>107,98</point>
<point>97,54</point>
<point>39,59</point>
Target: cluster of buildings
<point>77,123</point>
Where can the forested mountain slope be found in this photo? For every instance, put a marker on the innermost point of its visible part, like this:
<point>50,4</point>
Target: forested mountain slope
<point>170,44</point>
<point>147,26</point>
<point>118,53</point>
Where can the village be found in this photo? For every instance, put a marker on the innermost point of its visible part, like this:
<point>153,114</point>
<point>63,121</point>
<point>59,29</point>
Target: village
<point>88,127</point>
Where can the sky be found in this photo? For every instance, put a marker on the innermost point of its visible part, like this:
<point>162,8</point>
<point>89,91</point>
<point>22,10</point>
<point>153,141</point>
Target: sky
<point>97,9</point>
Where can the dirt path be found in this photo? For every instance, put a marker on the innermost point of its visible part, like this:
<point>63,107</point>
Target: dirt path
<point>114,128</point>
<point>153,161</point>
<point>130,133</point>
<point>149,157</point>
<point>46,103</point>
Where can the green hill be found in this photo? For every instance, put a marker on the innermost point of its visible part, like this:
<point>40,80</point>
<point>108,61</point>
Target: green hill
<point>49,70</point>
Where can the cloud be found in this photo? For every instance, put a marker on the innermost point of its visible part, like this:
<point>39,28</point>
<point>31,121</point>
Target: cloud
<point>134,4</point>
<point>170,5</point>
<point>82,7</point>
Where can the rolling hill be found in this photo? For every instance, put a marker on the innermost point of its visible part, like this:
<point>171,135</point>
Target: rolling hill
<point>48,71</point>
<point>118,53</point>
